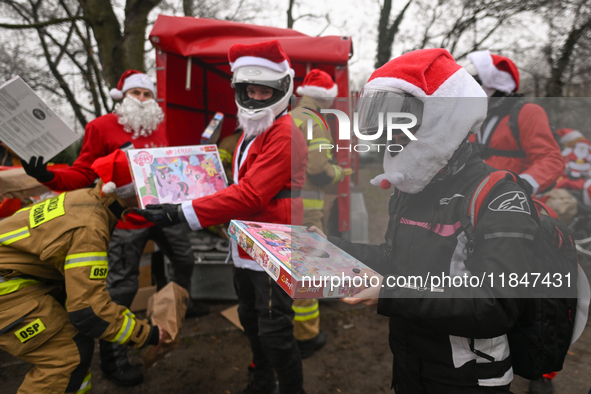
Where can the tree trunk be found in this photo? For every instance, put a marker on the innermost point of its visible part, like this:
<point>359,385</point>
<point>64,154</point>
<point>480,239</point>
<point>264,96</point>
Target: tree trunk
<point>387,32</point>
<point>555,84</point>
<point>119,51</point>
<point>290,15</point>
<point>107,33</point>
<point>188,7</point>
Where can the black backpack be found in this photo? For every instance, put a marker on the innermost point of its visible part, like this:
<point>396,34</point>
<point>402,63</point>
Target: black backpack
<point>542,336</point>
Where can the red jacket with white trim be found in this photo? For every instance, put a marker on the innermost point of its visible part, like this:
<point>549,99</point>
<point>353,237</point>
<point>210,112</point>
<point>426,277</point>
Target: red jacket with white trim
<point>274,161</point>
<point>543,163</point>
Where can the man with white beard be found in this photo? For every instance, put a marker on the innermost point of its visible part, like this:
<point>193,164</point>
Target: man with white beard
<point>137,121</point>
<point>269,173</point>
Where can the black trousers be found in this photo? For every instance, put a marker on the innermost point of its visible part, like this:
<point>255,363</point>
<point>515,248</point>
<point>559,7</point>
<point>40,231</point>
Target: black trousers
<point>266,315</point>
<point>407,379</point>
<point>124,255</point>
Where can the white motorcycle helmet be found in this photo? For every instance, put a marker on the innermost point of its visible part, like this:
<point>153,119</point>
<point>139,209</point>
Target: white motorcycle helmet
<point>280,82</point>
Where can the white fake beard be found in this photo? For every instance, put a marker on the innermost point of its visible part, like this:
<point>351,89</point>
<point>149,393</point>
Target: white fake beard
<point>251,127</point>
<point>139,118</point>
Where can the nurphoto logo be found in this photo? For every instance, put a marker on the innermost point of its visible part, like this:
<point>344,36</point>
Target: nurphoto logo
<point>393,126</point>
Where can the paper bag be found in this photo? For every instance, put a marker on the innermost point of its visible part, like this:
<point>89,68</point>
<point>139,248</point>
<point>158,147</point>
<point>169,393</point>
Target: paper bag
<point>167,309</point>
<point>15,183</point>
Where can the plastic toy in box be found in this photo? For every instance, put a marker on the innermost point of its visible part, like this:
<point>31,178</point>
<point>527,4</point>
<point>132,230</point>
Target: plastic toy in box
<point>176,174</point>
<point>304,264</point>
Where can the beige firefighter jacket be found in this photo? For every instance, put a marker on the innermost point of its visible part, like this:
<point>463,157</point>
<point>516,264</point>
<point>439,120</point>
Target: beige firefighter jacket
<point>63,241</point>
<point>319,171</point>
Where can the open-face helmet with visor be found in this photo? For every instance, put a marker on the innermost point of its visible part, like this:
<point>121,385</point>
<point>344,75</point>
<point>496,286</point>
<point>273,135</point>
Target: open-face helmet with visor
<point>280,82</point>
<point>376,102</point>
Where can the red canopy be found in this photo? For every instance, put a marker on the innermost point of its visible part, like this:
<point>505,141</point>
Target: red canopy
<point>211,39</point>
<point>194,77</point>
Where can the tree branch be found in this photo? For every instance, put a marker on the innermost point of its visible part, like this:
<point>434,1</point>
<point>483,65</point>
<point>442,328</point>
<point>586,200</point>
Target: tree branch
<point>38,25</point>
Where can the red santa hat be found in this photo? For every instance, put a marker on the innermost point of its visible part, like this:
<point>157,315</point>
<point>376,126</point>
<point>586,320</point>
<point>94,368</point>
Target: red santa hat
<point>129,80</point>
<point>267,54</point>
<point>569,135</point>
<point>114,171</point>
<point>495,72</point>
<point>318,84</point>
<point>430,75</point>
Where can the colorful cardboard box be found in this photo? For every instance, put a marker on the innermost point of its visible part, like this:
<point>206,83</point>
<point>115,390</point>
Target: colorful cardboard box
<point>176,174</point>
<point>304,264</point>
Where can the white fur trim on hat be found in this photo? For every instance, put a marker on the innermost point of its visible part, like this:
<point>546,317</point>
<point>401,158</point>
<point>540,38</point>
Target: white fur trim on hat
<point>317,91</point>
<point>491,76</point>
<point>571,136</point>
<point>246,61</point>
<point>109,187</point>
<point>138,81</point>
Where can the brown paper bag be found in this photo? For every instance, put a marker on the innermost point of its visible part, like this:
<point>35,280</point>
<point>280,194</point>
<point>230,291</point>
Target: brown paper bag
<point>167,309</point>
<point>15,183</point>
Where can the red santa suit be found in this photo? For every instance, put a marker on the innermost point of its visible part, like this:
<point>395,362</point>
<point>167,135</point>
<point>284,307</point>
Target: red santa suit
<point>271,165</point>
<point>543,162</point>
<point>103,136</point>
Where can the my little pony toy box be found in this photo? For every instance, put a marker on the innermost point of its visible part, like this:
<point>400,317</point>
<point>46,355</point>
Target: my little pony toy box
<point>176,174</point>
<point>303,263</point>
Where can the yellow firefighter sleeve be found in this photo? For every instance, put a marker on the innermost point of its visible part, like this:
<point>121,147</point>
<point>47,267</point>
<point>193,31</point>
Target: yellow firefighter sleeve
<point>318,153</point>
<point>89,306</point>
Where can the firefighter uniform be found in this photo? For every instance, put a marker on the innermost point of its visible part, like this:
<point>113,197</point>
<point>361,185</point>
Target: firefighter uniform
<point>319,171</point>
<point>53,268</point>
<point>319,174</point>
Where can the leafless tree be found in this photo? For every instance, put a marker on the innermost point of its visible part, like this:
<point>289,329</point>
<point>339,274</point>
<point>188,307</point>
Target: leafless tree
<point>387,31</point>
<point>291,20</point>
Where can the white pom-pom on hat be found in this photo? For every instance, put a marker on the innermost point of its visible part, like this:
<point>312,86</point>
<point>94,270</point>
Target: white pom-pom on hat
<point>109,187</point>
<point>116,94</point>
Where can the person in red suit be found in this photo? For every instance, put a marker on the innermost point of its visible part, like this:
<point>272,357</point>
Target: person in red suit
<point>269,173</point>
<point>138,121</point>
<point>535,155</point>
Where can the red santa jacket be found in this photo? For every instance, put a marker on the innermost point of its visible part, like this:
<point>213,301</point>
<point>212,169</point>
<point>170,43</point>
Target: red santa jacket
<point>103,136</point>
<point>543,163</point>
<point>274,161</point>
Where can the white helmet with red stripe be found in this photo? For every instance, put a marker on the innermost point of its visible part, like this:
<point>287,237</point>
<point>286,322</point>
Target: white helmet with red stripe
<point>447,102</point>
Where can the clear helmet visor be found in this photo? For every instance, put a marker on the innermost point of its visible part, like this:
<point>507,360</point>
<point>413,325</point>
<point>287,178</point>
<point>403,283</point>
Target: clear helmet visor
<point>375,105</point>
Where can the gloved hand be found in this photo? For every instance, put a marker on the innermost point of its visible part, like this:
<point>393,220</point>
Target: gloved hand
<point>344,173</point>
<point>163,215</point>
<point>37,169</point>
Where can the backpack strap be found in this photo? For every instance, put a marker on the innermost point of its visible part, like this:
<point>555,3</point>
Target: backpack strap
<point>476,197</point>
<point>513,125</point>
<point>487,151</point>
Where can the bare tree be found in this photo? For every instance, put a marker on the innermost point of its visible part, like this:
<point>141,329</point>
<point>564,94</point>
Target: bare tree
<point>565,40</point>
<point>291,20</point>
<point>387,31</point>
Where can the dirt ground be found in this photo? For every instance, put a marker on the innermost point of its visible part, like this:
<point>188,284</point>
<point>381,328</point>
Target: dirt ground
<point>214,354</point>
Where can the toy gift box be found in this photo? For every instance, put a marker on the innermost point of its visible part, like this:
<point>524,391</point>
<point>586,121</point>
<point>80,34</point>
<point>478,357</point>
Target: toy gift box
<point>176,174</point>
<point>304,264</point>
